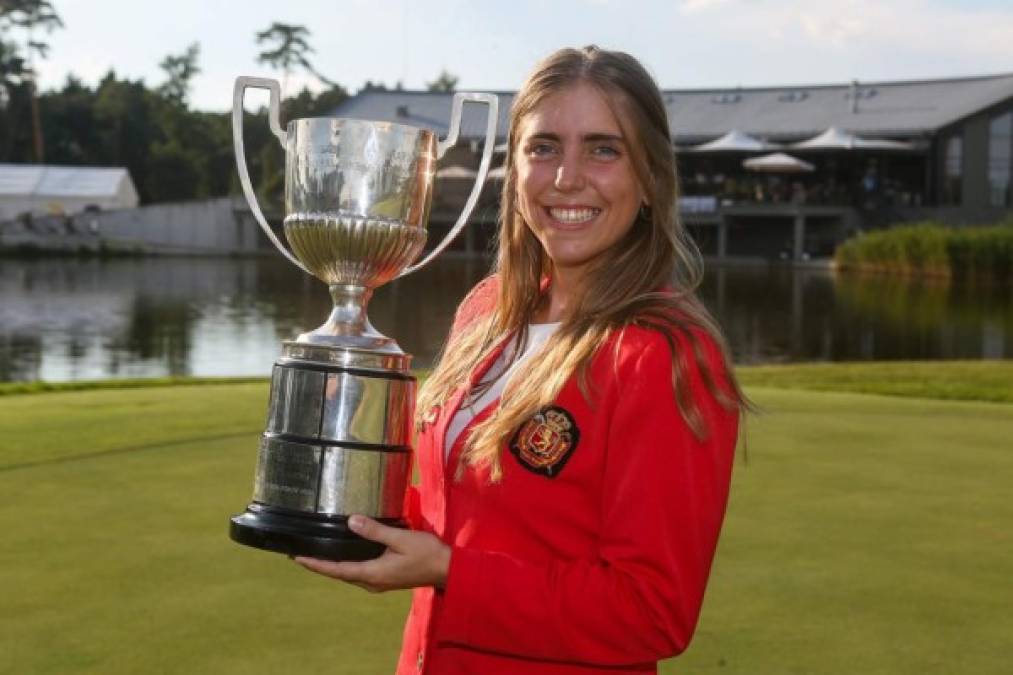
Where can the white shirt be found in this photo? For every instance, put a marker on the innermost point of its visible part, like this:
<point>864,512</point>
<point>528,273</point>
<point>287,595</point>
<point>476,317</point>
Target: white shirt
<point>499,375</point>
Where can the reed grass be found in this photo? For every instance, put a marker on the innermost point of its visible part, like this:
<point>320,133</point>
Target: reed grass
<point>934,250</point>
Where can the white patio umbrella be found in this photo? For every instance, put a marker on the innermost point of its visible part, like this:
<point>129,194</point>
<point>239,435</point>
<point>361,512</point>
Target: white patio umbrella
<point>835,138</point>
<point>456,172</point>
<point>777,162</point>
<point>733,141</point>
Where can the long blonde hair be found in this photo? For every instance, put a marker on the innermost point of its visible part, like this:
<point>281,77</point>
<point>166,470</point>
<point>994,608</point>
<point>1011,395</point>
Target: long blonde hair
<point>648,278</point>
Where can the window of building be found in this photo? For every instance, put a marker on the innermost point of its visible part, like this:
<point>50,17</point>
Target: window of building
<point>953,169</point>
<point>1000,159</point>
<point>792,96</point>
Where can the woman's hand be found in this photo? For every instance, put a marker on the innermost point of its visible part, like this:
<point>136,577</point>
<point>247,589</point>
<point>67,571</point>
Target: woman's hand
<point>411,559</point>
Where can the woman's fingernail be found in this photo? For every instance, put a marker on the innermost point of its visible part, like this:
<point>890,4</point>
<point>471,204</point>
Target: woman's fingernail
<point>356,523</point>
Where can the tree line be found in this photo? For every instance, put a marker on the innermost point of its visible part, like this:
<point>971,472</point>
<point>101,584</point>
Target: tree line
<point>172,151</point>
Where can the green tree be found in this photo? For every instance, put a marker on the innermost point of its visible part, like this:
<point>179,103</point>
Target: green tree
<point>180,69</point>
<point>308,104</point>
<point>30,16</point>
<point>15,107</point>
<point>445,82</point>
<point>13,70</point>
<point>172,153</point>
<point>128,128</point>
<point>287,49</point>
<point>73,135</point>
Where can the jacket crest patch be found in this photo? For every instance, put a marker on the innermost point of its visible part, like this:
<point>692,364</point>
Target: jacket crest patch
<point>545,442</point>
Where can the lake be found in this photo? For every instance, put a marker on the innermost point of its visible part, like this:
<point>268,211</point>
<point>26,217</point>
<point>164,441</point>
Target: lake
<point>81,319</point>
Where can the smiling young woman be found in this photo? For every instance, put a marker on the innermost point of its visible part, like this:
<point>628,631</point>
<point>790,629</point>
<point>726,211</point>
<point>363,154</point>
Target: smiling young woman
<point>576,438</point>
<point>576,186</point>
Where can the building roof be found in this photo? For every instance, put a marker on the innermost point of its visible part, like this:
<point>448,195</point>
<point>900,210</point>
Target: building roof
<point>60,181</point>
<point>785,113</point>
<point>880,109</point>
<point>424,109</point>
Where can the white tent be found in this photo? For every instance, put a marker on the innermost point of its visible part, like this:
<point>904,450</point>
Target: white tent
<point>777,162</point>
<point>734,141</point>
<point>838,139</point>
<point>41,189</point>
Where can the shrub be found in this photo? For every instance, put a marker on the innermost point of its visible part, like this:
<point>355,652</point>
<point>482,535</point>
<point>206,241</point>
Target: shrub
<point>932,249</point>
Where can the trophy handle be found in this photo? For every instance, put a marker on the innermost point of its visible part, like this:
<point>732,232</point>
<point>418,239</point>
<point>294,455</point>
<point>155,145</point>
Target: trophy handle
<point>274,115</point>
<point>483,168</point>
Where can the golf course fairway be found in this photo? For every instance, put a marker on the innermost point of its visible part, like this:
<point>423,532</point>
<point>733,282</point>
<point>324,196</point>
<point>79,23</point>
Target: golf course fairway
<point>865,534</point>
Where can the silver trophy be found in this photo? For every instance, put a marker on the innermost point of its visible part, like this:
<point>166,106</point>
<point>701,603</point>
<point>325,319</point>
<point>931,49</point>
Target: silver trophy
<point>357,197</point>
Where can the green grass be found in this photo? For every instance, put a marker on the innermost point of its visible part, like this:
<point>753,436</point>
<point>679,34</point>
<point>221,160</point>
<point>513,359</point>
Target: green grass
<point>38,387</point>
<point>950,380</point>
<point>116,557</point>
<point>865,534</point>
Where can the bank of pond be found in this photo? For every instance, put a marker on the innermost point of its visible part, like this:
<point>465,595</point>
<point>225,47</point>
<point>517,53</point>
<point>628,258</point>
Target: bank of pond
<point>931,249</point>
<point>961,380</point>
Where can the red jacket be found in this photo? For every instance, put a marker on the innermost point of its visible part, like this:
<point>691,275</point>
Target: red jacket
<point>592,553</point>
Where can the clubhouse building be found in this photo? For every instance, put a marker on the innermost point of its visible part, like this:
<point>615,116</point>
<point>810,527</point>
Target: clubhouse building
<point>779,172</point>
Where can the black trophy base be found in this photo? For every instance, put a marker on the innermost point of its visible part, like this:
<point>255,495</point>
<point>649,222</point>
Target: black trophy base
<point>322,537</point>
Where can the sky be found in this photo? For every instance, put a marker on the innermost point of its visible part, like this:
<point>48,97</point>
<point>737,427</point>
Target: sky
<point>493,44</point>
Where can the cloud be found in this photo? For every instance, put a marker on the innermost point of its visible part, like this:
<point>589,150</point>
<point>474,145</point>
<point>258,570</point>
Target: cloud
<point>690,6</point>
<point>926,27</point>
<point>833,29</point>
<point>684,43</point>
<point>857,31</point>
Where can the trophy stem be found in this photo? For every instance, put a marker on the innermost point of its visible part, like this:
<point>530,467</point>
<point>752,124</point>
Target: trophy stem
<point>348,317</point>
<point>348,324</point>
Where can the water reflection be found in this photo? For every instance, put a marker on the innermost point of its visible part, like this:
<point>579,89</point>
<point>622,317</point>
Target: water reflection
<point>780,314</point>
<point>924,319</point>
<point>69,319</point>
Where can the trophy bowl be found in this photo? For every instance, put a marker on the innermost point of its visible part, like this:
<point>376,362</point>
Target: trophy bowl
<point>357,197</point>
<point>338,436</point>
